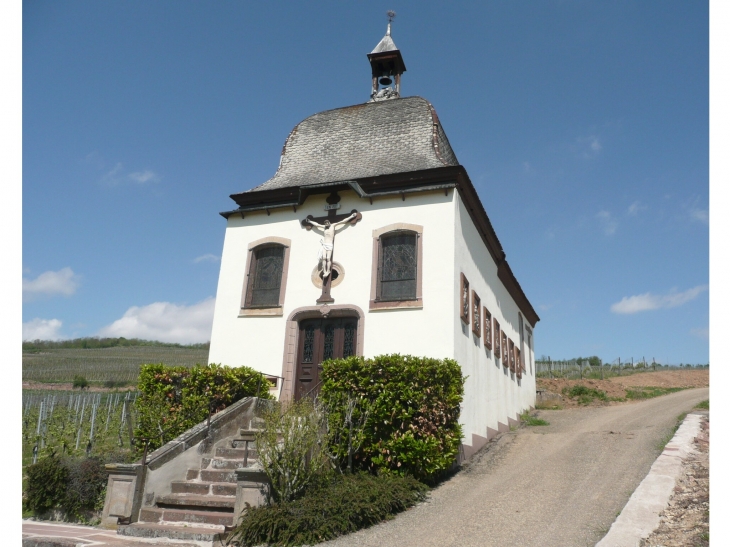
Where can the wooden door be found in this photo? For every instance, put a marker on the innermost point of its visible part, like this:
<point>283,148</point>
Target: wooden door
<point>319,340</point>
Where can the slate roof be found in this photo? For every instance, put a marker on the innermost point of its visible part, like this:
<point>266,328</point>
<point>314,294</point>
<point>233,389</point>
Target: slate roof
<point>386,44</point>
<point>364,140</point>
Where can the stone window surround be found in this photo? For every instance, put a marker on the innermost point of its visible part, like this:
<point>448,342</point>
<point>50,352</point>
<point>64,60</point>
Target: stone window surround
<point>273,310</point>
<point>397,304</point>
<point>291,340</point>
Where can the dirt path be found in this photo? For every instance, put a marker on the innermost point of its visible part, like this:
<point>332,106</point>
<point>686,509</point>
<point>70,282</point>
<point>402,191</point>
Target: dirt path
<point>555,486</point>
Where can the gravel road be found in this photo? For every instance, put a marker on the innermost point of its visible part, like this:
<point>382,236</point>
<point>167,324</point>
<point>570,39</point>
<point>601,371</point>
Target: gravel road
<point>560,485</point>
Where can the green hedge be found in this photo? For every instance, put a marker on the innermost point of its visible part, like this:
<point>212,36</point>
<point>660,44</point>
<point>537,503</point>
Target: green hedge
<point>76,487</point>
<point>340,505</point>
<point>174,399</point>
<point>413,404</point>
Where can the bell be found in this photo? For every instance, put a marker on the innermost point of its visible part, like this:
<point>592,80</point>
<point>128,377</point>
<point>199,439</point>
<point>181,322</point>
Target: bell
<point>385,81</point>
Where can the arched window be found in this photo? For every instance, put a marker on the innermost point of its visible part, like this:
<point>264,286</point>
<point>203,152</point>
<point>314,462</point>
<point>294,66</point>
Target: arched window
<point>398,267</point>
<point>266,275</point>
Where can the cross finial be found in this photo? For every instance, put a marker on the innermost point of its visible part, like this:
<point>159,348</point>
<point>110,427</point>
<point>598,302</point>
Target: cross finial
<point>391,15</point>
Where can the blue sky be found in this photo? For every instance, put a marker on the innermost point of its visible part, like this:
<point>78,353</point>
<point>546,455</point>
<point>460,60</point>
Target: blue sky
<point>583,125</point>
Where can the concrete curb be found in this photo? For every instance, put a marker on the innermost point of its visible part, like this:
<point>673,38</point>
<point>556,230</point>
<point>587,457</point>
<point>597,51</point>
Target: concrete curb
<point>640,517</point>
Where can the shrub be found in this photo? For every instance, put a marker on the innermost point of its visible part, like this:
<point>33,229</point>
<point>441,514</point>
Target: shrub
<point>46,485</point>
<point>413,405</point>
<point>584,394</point>
<point>341,505</point>
<point>80,382</point>
<point>86,486</point>
<point>289,447</point>
<point>174,399</point>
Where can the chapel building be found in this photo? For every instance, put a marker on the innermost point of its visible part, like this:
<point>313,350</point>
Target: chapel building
<point>371,239</point>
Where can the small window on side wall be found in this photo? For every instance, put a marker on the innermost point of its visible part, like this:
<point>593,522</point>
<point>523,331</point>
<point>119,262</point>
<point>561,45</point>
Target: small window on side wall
<point>266,276</point>
<point>397,267</point>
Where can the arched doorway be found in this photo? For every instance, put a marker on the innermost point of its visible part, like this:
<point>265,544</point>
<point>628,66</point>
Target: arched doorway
<point>319,340</point>
<point>315,334</point>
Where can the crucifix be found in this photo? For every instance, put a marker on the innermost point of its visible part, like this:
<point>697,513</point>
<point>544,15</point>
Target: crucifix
<point>329,224</point>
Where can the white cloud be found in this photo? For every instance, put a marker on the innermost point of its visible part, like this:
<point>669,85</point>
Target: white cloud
<point>143,176</point>
<point>165,322</point>
<point>608,222</point>
<point>590,146</point>
<point>118,174</point>
<point>701,333</point>
<point>700,215</point>
<point>112,177</point>
<point>648,301</point>
<point>42,329</point>
<point>635,207</point>
<point>63,282</point>
<point>206,258</point>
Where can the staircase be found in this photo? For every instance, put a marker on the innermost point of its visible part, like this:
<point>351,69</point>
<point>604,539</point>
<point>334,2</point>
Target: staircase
<point>200,507</point>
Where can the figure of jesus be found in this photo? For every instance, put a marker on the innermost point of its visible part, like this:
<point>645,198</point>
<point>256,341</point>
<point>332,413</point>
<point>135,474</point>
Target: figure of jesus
<point>328,242</point>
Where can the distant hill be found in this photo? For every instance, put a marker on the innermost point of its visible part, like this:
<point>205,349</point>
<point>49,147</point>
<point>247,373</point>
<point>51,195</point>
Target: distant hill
<point>99,343</point>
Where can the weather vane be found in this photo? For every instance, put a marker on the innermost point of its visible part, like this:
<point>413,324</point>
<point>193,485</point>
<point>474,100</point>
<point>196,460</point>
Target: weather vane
<point>391,15</point>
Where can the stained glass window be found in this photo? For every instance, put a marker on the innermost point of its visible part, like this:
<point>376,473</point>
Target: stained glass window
<point>349,345</point>
<point>266,276</point>
<point>308,344</point>
<point>329,342</point>
<point>398,267</point>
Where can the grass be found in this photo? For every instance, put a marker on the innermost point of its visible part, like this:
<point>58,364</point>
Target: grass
<point>649,392</point>
<point>551,404</point>
<point>704,404</point>
<point>668,437</point>
<point>585,395</point>
<point>526,419</point>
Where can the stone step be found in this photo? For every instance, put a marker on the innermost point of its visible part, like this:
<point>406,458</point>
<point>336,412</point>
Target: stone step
<point>215,475</point>
<point>179,532</point>
<point>225,463</point>
<point>231,453</point>
<point>203,488</point>
<point>202,501</point>
<point>247,434</point>
<point>163,515</point>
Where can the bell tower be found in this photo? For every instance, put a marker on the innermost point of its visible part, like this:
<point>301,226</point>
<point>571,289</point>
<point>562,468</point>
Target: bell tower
<point>386,63</point>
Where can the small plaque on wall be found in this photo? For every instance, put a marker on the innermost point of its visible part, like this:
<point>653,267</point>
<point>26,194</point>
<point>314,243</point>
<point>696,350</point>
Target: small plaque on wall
<point>487,320</point>
<point>497,340</point>
<point>476,314</point>
<point>505,351</point>
<point>464,300</point>
<point>512,356</point>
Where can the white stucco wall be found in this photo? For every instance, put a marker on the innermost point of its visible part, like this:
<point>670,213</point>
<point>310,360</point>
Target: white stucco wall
<point>259,341</point>
<point>451,245</point>
<point>492,393</point>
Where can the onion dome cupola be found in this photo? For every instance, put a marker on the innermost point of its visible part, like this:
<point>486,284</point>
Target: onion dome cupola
<point>387,66</point>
